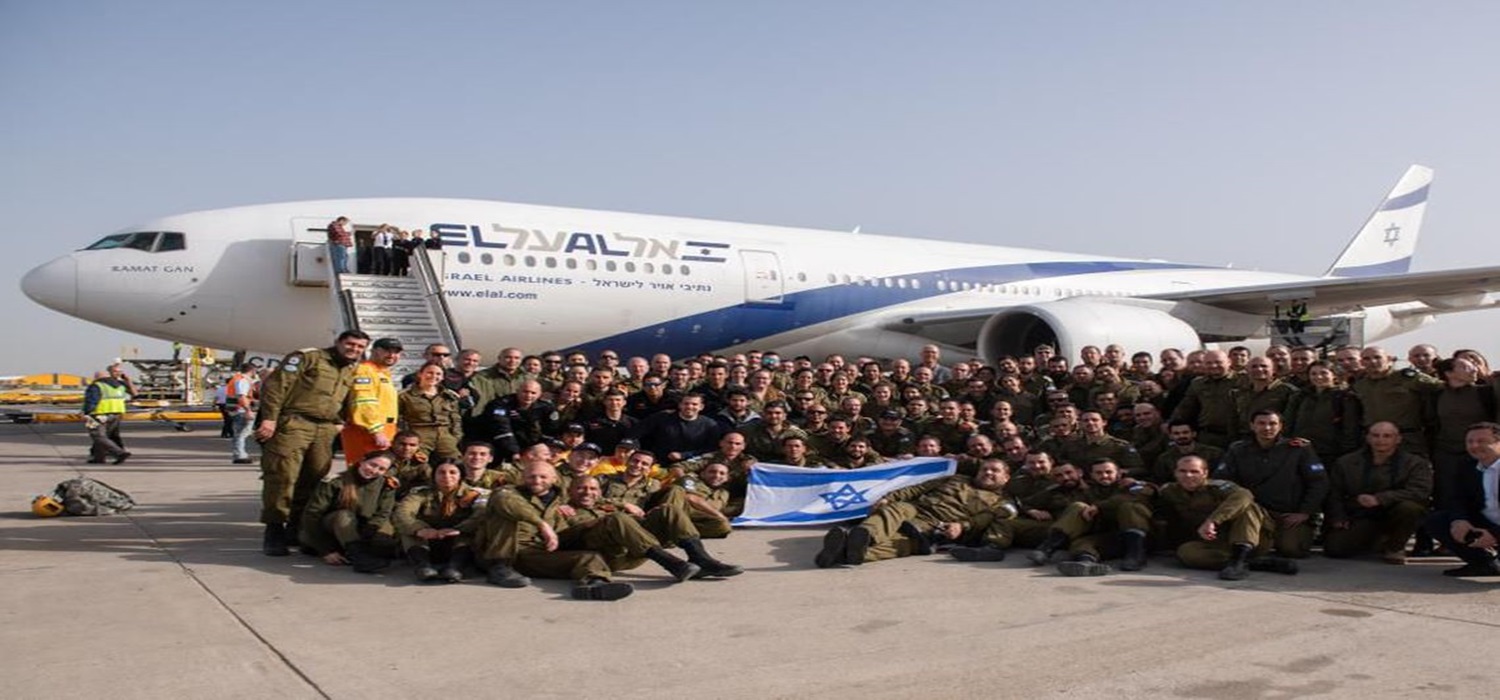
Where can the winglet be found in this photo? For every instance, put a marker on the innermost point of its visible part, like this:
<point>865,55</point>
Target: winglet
<point>1386,243</point>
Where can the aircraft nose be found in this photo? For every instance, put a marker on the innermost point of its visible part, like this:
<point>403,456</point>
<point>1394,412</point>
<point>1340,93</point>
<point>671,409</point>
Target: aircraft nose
<point>54,285</point>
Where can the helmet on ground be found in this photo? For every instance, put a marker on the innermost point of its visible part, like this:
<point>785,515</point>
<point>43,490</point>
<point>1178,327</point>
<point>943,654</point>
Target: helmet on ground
<point>46,506</point>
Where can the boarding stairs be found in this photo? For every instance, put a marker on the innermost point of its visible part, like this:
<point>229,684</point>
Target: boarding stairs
<point>411,309</point>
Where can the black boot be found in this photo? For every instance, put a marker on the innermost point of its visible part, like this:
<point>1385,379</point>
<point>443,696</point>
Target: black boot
<point>1238,568</point>
<point>421,561</point>
<point>1043,553</point>
<point>679,569</point>
<point>273,542</point>
<point>832,553</point>
<point>1275,565</point>
<point>1083,565</point>
<point>1135,551</point>
<point>453,571</point>
<point>710,567</point>
<point>500,574</point>
<point>599,589</point>
<point>856,545</point>
<point>362,560</point>
<point>987,552</point>
<point>921,542</point>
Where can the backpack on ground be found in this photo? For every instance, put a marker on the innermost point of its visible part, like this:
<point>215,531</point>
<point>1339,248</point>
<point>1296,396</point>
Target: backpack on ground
<point>85,496</point>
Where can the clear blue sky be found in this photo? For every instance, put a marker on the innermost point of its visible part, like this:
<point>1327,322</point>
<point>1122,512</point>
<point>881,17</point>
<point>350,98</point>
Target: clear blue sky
<point>1258,134</point>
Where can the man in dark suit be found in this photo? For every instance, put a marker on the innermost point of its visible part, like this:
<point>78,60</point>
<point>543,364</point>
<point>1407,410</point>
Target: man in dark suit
<point>1469,522</point>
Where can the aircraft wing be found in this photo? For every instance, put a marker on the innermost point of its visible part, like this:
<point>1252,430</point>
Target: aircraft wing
<point>1445,290</point>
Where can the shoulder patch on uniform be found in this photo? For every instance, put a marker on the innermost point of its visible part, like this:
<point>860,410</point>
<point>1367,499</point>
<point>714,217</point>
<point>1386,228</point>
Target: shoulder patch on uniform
<point>1408,373</point>
<point>1315,467</point>
<point>291,362</point>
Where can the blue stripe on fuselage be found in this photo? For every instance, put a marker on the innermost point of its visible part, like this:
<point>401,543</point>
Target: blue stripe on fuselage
<point>719,328</point>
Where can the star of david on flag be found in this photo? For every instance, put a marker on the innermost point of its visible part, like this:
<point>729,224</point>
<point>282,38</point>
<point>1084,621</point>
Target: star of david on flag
<point>779,495</point>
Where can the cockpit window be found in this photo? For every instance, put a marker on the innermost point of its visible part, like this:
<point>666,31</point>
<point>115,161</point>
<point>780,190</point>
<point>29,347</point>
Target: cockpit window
<point>148,241</point>
<point>170,241</point>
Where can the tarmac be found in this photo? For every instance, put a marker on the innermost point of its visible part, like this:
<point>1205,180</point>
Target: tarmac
<point>174,600</point>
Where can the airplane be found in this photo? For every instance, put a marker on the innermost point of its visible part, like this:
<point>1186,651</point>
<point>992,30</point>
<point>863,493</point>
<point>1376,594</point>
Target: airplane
<point>547,278</point>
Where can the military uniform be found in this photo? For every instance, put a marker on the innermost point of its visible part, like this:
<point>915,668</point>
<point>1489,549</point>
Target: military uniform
<point>1402,397</point>
<point>410,474</point>
<point>1121,508</point>
<point>425,508</point>
<point>436,419</point>
<point>1029,493</point>
<point>328,527</point>
<point>1402,485</point>
<point>893,444</point>
<point>492,383</point>
<point>954,499</point>
<point>1083,451</point>
<point>1149,443</point>
<point>1284,479</point>
<point>1209,403</point>
<point>1276,396</point>
<point>304,396</point>
<point>739,469</point>
<point>765,444</point>
<point>1328,418</point>
<point>1164,471</point>
<point>511,427</point>
<point>1232,509</point>
<point>717,499</point>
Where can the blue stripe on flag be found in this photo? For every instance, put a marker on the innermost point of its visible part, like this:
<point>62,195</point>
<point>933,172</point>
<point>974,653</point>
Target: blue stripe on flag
<point>933,466</point>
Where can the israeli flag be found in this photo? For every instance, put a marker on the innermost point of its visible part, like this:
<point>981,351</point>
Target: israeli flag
<point>779,495</point>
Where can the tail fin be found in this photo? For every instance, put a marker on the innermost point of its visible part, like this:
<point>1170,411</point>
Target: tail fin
<point>1386,243</point>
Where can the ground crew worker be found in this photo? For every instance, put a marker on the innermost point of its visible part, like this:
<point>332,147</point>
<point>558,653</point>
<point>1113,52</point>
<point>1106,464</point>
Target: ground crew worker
<point>906,521</point>
<point>240,392</point>
<point>1110,514</point>
<point>437,525</point>
<point>372,407</point>
<point>300,405</point>
<point>1377,495</point>
<point>1216,524</point>
<point>432,411</point>
<point>103,410</point>
<point>1286,477</point>
<point>1402,397</point>
<point>348,518</point>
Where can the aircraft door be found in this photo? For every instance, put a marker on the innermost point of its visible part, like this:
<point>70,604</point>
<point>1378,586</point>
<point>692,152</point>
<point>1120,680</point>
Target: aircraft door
<point>309,255</point>
<point>763,280</point>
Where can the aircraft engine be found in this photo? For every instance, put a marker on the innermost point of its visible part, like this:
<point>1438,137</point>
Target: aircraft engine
<point>1070,324</point>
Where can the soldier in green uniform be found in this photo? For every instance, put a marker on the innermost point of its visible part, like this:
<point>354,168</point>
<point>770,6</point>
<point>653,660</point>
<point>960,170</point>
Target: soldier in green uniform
<point>411,468</point>
<point>1403,397</point>
<point>664,511</point>
<point>348,518</point>
<point>520,529</point>
<point>1111,513</point>
<point>1184,441</point>
<point>438,523</point>
<point>905,522</point>
<point>1216,524</point>
<point>1039,500</point>
<point>1262,390</point>
<point>710,501</point>
<point>1209,401</point>
<point>1286,477</point>
<point>432,411</point>
<point>1093,445</point>
<point>300,407</point>
<point>500,379</point>
<point>1378,495</point>
<point>1325,414</point>
<point>1148,436</point>
<point>763,438</point>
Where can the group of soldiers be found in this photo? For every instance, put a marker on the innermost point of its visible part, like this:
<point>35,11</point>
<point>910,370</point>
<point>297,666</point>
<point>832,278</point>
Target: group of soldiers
<point>560,465</point>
